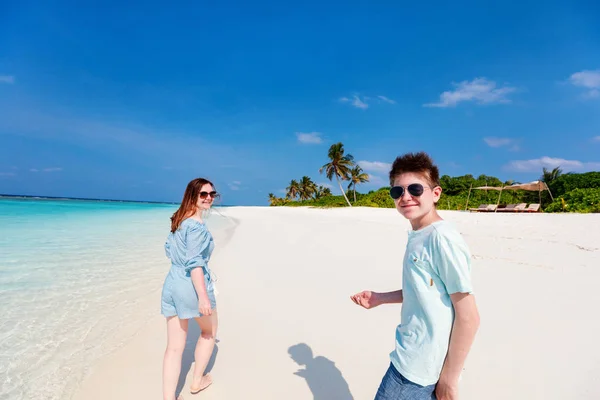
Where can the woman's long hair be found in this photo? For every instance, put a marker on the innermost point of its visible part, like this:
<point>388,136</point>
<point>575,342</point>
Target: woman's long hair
<point>189,204</point>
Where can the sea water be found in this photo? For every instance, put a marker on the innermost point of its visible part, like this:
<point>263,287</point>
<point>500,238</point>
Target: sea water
<point>77,278</point>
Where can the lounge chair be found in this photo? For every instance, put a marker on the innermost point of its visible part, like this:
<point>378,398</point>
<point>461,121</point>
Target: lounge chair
<point>508,208</point>
<point>533,207</point>
<point>520,207</point>
<point>481,208</point>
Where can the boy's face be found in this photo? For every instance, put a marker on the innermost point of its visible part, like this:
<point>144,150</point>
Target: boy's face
<point>414,207</point>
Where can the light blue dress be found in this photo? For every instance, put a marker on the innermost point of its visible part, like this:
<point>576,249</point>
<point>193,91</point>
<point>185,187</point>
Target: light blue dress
<point>189,247</point>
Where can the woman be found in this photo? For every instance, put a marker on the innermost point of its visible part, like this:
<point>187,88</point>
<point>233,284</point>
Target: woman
<point>188,290</point>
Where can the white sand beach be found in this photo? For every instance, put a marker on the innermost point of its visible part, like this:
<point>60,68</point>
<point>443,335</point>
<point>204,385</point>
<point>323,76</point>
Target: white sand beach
<point>285,276</point>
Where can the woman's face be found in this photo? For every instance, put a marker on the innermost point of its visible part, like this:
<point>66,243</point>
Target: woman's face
<point>206,197</point>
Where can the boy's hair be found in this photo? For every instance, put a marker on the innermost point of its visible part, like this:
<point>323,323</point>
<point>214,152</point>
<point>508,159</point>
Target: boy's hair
<point>419,163</point>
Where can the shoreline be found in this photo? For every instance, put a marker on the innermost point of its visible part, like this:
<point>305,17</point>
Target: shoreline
<point>285,276</point>
<point>130,336</point>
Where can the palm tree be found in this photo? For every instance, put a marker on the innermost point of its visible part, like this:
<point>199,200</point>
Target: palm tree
<point>339,166</point>
<point>322,191</point>
<point>272,199</point>
<point>357,176</point>
<point>549,176</point>
<point>307,188</point>
<point>293,190</point>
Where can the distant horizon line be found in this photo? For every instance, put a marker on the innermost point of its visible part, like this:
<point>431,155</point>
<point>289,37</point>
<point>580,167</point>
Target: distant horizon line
<point>27,196</point>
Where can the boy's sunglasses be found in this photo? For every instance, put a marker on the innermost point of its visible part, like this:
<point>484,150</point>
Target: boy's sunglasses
<point>212,194</point>
<point>415,189</point>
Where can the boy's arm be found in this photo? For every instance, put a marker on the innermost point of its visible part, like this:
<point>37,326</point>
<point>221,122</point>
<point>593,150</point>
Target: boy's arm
<point>390,297</point>
<point>466,324</point>
<point>369,299</point>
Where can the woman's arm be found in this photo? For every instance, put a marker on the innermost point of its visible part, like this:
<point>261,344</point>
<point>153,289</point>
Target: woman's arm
<point>197,275</point>
<point>197,241</point>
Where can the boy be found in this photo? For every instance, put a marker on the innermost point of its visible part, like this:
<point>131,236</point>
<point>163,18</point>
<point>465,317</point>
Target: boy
<point>439,316</point>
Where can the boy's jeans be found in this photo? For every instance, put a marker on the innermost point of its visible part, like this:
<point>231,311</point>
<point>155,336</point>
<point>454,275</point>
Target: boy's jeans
<point>396,387</point>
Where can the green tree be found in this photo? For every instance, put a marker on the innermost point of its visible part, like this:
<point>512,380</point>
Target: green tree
<point>338,166</point>
<point>321,192</point>
<point>307,188</point>
<point>550,176</point>
<point>357,176</point>
<point>293,190</point>
<point>569,181</point>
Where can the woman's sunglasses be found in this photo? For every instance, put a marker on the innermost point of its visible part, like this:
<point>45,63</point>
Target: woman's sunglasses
<point>415,189</point>
<point>212,194</point>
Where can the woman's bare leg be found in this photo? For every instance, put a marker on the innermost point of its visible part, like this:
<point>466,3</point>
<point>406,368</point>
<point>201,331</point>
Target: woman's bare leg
<point>204,349</point>
<point>176,335</point>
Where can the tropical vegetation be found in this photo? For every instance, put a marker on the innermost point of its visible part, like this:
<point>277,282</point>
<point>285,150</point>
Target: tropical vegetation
<point>568,192</point>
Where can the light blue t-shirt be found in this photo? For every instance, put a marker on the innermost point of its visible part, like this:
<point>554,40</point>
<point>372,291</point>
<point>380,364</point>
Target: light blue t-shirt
<point>437,263</point>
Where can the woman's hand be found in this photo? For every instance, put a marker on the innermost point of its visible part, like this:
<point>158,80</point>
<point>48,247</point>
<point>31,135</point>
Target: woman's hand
<point>366,299</point>
<point>204,307</point>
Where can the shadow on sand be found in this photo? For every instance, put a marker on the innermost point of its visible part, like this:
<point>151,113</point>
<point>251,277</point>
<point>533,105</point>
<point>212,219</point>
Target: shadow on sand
<point>188,355</point>
<point>324,379</point>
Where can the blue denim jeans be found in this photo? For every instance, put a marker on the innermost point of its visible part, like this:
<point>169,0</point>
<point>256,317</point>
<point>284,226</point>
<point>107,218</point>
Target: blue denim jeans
<point>396,387</point>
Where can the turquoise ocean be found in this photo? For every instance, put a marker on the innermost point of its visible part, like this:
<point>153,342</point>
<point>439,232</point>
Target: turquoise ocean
<point>77,280</point>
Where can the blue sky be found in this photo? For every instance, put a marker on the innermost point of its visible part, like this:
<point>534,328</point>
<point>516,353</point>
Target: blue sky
<point>131,100</point>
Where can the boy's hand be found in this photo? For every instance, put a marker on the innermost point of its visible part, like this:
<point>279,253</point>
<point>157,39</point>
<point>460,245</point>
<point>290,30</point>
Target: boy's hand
<point>366,299</point>
<point>446,391</point>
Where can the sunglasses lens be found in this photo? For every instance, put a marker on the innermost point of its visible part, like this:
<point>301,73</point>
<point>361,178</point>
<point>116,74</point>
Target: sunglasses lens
<point>415,189</point>
<point>396,192</point>
<point>204,195</point>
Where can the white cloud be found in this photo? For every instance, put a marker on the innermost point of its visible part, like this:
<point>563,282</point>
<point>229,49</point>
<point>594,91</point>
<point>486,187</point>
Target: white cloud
<point>235,185</point>
<point>375,166</point>
<point>589,80</point>
<point>596,139</point>
<point>356,102</point>
<point>309,138</point>
<point>537,164</point>
<point>502,142</point>
<point>237,182</point>
<point>386,99</point>
<point>479,90</point>
<point>51,169</point>
<point>592,94</point>
<point>8,174</point>
<point>7,79</point>
<point>377,181</point>
<point>363,102</point>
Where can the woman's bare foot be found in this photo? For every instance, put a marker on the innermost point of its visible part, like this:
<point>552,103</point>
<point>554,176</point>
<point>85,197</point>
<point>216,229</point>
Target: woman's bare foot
<point>197,387</point>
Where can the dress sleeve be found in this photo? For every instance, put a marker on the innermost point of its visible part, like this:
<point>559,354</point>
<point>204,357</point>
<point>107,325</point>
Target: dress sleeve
<point>197,242</point>
<point>168,249</point>
<point>452,260</point>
